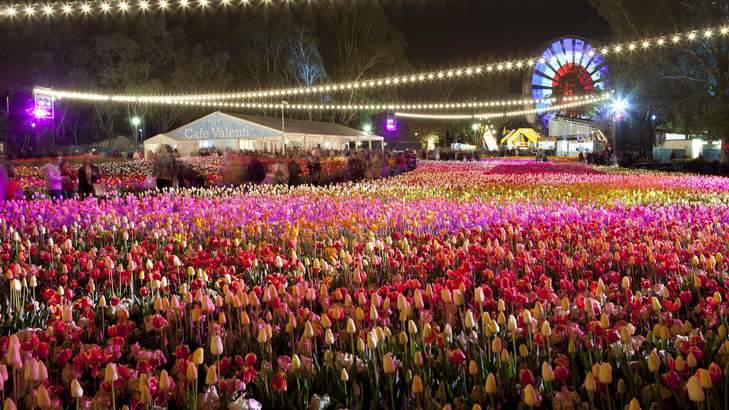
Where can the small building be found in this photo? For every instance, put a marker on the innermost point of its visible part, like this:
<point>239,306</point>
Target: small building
<point>232,131</point>
<point>680,146</point>
<point>571,136</point>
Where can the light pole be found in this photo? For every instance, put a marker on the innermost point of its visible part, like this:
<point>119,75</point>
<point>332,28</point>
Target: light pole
<point>618,109</point>
<point>283,125</point>
<point>475,127</point>
<point>136,121</point>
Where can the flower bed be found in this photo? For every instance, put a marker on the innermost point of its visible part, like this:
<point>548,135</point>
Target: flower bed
<point>130,175</point>
<point>448,286</point>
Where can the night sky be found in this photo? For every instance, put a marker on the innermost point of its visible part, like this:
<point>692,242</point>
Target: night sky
<point>448,32</point>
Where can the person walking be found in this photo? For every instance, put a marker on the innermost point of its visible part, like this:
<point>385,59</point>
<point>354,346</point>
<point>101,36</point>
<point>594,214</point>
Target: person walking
<point>165,169</point>
<point>53,177</point>
<point>68,186</point>
<point>256,170</point>
<point>88,176</point>
<point>294,172</point>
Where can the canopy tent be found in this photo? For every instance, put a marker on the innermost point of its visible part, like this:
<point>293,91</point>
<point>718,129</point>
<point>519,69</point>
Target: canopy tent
<point>489,140</point>
<point>120,142</point>
<point>521,138</point>
<point>257,133</point>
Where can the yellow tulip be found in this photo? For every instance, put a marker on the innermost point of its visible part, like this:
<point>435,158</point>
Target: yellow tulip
<point>490,386</point>
<point>472,368</point>
<point>530,396</point>
<point>654,362</point>
<point>164,381</point>
<point>695,391</point>
<point>417,386</point>
<point>590,384</point>
<point>547,373</point>
<point>198,356</point>
<point>351,327</point>
<point>606,373</point>
<point>388,364</point>
<point>691,360</point>
<point>191,372</point>
<point>212,375</point>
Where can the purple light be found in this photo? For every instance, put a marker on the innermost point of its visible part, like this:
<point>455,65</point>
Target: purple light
<point>40,113</point>
<point>32,124</point>
<point>391,124</point>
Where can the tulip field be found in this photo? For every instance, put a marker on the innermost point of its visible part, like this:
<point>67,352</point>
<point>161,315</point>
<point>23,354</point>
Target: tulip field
<point>501,284</point>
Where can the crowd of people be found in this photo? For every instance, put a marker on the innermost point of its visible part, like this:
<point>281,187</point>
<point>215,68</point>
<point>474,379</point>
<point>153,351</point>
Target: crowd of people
<point>300,167</point>
<point>62,180</point>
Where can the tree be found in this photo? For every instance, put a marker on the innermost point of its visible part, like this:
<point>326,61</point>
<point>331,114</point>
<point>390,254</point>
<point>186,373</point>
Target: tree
<point>688,81</point>
<point>361,43</point>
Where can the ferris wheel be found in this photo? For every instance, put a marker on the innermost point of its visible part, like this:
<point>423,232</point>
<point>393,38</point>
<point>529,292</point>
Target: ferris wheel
<point>567,68</point>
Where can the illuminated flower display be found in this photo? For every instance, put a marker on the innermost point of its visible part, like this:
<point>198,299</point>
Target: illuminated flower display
<point>500,284</point>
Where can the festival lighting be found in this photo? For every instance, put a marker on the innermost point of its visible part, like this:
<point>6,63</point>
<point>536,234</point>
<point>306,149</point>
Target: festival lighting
<point>490,115</point>
<point>408,79</point>
<point>515,102</point>
<point>619,106</point>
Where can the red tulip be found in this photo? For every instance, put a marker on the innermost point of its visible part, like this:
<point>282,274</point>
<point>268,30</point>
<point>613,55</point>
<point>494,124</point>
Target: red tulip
<point>716,374</point>
<point>672,380</point>
<point>251,359</point>
<point>457,357</point>
<point>278,382</point>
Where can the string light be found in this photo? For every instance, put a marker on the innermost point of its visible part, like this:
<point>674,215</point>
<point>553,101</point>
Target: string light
<point>506,114</point>
<point>516,102</point>
<point>409,79</point>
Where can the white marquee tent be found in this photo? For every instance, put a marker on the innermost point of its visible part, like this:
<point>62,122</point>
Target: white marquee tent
<point>251,132</point>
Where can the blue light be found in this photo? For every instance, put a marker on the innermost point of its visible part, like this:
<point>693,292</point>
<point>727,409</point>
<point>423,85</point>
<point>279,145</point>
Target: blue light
<point>620,106</point>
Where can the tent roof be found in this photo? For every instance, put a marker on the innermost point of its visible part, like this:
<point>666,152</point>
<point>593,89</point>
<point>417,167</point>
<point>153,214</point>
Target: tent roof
<point>303,127</point>
<point>254,126</point>
<point>116,142</point>
<point>163,139</point>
